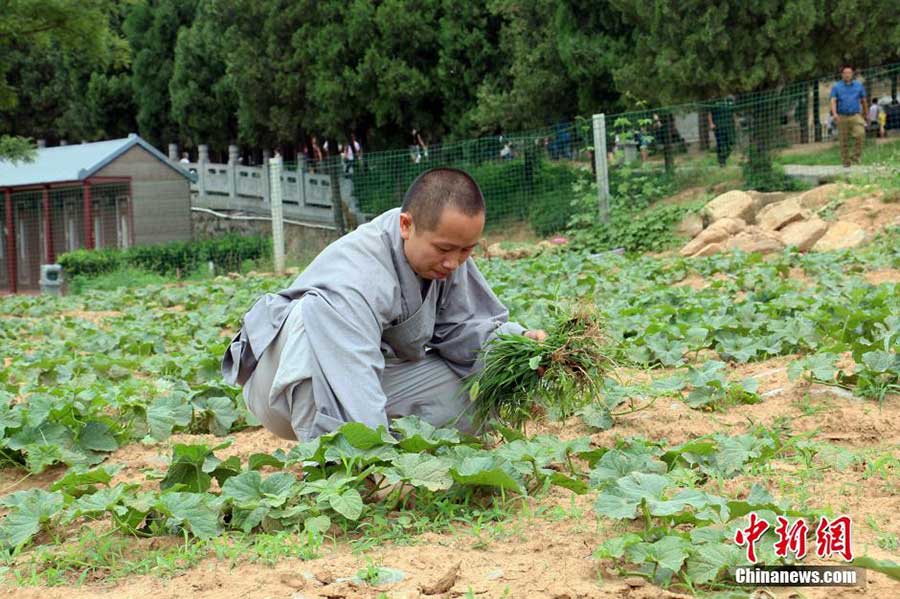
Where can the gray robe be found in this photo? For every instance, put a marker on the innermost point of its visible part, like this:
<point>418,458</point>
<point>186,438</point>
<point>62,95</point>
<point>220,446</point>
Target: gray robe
<point>363,305</point>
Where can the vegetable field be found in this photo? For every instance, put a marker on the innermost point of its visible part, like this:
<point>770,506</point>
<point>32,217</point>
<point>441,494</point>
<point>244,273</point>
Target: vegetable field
<point>740,385</point>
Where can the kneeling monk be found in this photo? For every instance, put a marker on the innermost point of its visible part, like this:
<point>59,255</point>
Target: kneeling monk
<point>384,323</point>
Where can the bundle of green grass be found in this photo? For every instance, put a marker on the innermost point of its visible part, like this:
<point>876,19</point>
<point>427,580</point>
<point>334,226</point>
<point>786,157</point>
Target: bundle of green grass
<point>523,379</point>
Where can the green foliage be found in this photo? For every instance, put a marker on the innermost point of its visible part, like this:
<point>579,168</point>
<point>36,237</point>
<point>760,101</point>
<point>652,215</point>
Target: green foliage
<point>120,276</point>
<point>339,470</point>
<point>152,31</point>
<point>555,60</point>
<point>720,57</point>
<point>226,252</point>
<point>710,389</point>
<point>204,103</point>
<point>16,149</point>
<point>47,52</point>
<point>81,29</point>
<point>672,60</point>
<point>875,375</point>
<point>650,231</point>
<point>650,322</point>
<point>149,377</point>
<point>885,152</point>
<point>557,375</point>
<point>635,222</point>
<point>683,528</point>
<point>76,388</point>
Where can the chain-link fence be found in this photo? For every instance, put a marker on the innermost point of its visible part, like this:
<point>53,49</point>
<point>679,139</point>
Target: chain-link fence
<point>756,132</point>
<point>528,178</point>
<point>525,177</point>
<point>39,224</point>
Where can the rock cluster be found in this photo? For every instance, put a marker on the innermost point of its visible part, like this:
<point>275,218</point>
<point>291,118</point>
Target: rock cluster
<point>769,222</point>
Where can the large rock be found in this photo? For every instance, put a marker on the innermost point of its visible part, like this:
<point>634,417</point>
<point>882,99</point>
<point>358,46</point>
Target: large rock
<point>717,232</point>
<point>732,204</point>
<point>764,198</point>
<point>803,234</point>
<point>709,250</point>
<point>818,197</point>
<point>691,225</point>
<point>840,235</point>
<point>755,239</point>
<point>775,216</point>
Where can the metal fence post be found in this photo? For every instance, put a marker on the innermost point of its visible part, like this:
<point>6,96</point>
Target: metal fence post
<point>275,190</point>
<point>600,164</point>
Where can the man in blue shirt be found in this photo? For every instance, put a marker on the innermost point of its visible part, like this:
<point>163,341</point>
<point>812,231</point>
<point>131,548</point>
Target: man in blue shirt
<point>848,105</point>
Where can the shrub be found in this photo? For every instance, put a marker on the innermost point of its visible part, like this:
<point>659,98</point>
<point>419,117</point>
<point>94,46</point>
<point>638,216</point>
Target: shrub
<point>635,223</point>
<point>90,262</point>
<point>227,252</point>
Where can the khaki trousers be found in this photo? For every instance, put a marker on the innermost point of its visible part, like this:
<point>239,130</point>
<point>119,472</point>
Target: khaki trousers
<point>851,126</point>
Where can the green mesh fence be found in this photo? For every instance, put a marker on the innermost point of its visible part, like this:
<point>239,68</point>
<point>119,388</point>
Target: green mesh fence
<point>755,134</point>
<point>528,178</point>
<point>525,177</point>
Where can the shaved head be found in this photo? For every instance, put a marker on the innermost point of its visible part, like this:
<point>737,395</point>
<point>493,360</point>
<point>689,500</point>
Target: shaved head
<point>438,189</point>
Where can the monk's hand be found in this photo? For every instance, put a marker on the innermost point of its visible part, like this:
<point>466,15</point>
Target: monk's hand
<point>537,335</point>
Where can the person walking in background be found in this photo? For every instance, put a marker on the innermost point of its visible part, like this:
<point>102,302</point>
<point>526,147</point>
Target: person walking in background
<point>316,152</point>
<point>417,147</point>
<point>830,126</point>
<point>348,157</point>
<point>721,122</point>
<point>357,148</point>
<point>881,117</point>
<point>848,105</point>
<point>872,119</point>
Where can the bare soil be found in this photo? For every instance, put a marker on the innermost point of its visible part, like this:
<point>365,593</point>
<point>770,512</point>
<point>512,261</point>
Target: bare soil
<point>545,550</point>
<point>92,316</point>
<point>888,275</point>
<point>870,212</point>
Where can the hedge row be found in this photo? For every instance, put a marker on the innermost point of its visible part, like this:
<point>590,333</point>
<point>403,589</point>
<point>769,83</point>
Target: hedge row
<point>227,252</point>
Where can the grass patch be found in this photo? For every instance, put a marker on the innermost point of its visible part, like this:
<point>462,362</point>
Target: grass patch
<point>886,152</point>
<point>127,277</point>
<point>110,557</point>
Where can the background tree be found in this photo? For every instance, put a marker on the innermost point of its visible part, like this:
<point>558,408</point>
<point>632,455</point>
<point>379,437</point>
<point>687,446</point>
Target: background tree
<point>692,50</point>
<point>268,73</point>
<point>32,28</point>
<point>152,28</point>
<point>268,82</point>
<point>557,58</point>
<point>204,102</point>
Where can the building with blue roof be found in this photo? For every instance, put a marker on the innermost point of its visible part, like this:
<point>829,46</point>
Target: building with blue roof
<point>108,194</point>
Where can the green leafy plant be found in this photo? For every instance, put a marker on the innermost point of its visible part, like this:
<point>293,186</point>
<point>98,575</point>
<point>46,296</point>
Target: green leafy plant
<point>560,374</point>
